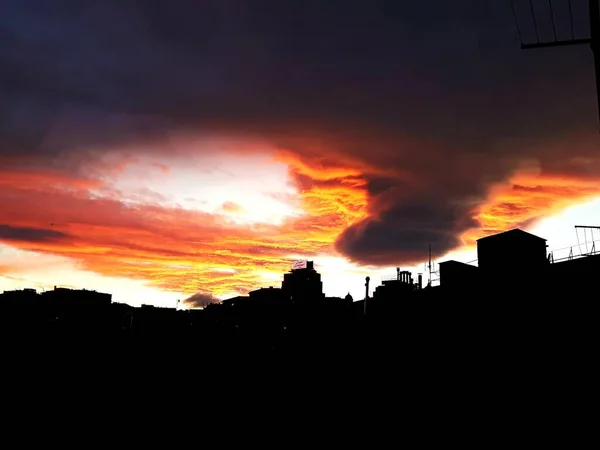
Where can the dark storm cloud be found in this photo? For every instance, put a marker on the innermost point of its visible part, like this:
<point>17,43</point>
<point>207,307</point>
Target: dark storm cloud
<point>385,63</point>
<point>404,221</point>
<point>408,227</point>
<point>200,300</point>
<point>367,75</point>
<point>25,234</point>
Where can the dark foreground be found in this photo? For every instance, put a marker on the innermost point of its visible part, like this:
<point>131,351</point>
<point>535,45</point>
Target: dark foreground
<point>480,381</point>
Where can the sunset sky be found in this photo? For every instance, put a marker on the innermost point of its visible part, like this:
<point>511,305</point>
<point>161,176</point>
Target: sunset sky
<point>156,150</point>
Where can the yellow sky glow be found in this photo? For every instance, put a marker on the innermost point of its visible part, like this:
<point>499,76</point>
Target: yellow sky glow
<point>152,232</point>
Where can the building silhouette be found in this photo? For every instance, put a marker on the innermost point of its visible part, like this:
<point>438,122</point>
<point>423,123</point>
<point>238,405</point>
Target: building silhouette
<point>303,284</point>
<point>456,274</point>
<point>511,250</point>
<point>513,299</point>
<point>399,286</point>
<point>76,297</point>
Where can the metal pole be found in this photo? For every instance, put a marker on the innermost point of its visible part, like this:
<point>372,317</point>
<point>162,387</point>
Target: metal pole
<point>429,265</point>
<point>595,44</point>
<point>367,279</point>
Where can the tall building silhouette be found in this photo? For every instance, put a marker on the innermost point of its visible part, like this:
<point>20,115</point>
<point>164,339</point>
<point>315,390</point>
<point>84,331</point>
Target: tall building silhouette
<point>303,284</point>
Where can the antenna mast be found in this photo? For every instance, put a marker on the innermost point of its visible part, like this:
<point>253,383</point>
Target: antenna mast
<point>588,251</point>
<point>429,265</point>
<point>593,40</point>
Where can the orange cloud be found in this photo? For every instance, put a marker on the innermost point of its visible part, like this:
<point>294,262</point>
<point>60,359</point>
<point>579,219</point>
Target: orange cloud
<point>173,248</point>
<point>43,180</point>
<point>331,192</point>
<point>190,251</point>
<point>318,168</point>
<point>232,207</point>
<point>526,198</point>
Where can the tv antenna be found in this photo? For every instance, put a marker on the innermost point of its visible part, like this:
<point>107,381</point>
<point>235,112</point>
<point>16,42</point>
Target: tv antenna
<point>588,250</point>
<point>429,267</point>
<point>593,40</point>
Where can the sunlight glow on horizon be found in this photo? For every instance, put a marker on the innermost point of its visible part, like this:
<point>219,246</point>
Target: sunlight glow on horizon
<point>52,271</point>
<point>152,233</point>
<point>245,189</point>
<point>338,275</point>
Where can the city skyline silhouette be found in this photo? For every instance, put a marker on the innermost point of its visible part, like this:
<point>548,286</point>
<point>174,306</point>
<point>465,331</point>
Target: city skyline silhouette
<point>351,216</point>
<point>196,152</point>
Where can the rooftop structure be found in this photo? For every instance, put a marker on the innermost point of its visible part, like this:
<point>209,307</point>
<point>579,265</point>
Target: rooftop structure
<point>513,249</point>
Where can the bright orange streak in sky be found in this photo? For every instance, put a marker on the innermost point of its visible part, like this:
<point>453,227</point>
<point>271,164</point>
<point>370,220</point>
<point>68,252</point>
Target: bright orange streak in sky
<point>186,251</point>
<point>526,198</point>
<point>172,248</point>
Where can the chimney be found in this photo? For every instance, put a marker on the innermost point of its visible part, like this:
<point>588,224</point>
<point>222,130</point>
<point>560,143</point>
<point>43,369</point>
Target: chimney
<point>367,287</point>
<point>420,281</point>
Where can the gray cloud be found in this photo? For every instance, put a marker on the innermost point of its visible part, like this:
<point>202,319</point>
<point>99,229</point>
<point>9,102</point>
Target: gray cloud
<point>200,300</point>
<point>98,73</point>
<point>25,234</point>
<point>402,234</point>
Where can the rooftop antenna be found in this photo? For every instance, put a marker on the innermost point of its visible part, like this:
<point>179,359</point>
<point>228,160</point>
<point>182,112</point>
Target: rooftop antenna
<point>593,40</point>
<point>429,265</point>
<point>593,243</point>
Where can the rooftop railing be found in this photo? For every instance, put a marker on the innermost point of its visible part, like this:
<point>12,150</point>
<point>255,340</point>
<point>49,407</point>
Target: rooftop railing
<point>580,250</point>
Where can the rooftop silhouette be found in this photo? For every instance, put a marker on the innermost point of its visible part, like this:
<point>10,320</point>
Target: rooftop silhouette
<point>493,320</point>
<point>514,282</point>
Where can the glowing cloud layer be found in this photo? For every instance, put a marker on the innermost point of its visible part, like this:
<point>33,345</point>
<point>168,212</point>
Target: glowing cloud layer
<point>198,146</point>
<point>189,250</point>
<point>175,248</point>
